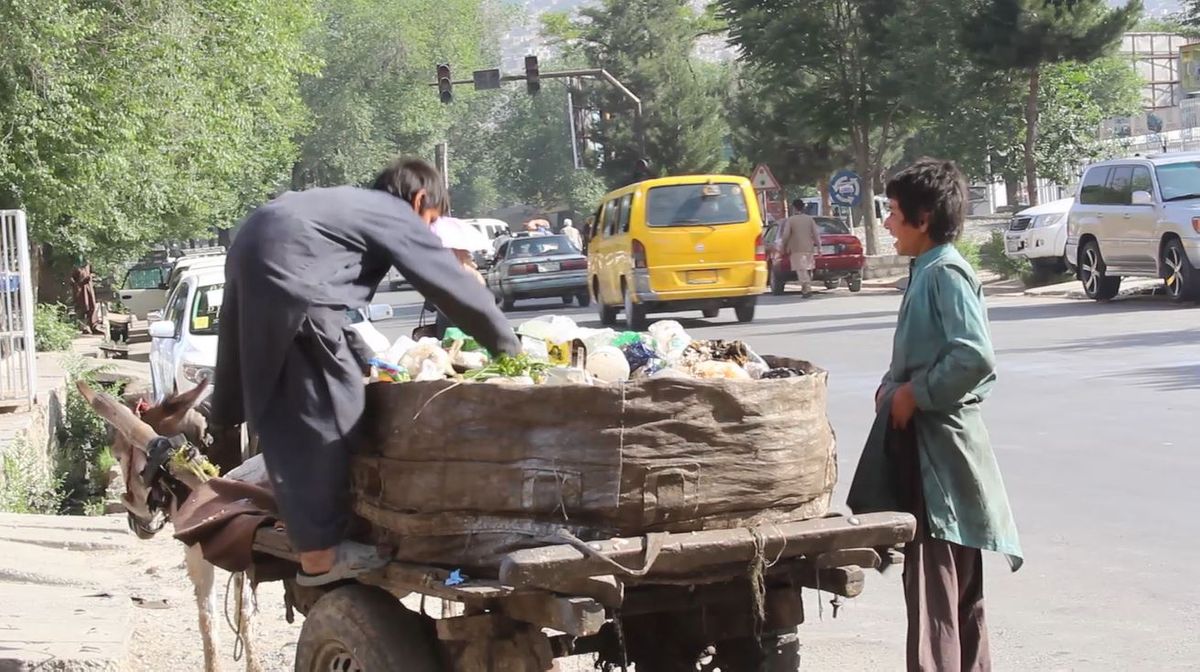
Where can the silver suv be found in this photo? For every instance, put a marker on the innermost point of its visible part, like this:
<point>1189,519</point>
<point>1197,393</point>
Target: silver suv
<point>1138,218</point>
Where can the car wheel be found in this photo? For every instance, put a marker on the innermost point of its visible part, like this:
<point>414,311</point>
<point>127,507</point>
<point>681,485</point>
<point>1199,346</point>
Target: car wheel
<point>635,313</point>
<point>507,303</point>
<point>778,282</point>
<point>1092,273</point>
<point>745,309</point>
<point>1181,279</point>
<point>855,285</point>
<point>832,284</point>
<point>710,313</point>
<point>568,299</point>
<point>584,299</point>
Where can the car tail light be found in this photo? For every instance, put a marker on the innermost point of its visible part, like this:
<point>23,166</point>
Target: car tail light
<point>854,248</point>
<point>760,250</point>
<point>522,269</point>
<point>639,255</point>
<point>1196,224</point>
<point>574,265</point>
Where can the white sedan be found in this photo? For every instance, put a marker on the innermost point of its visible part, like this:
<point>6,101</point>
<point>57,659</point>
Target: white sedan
<point>183,348</point>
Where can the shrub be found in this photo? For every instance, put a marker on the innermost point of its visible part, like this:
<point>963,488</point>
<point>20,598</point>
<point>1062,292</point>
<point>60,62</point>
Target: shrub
<point>85,458</point>
<point>53,329</point>
<point>992,258</point>
<point>26,486</point>
<point>969,250</point>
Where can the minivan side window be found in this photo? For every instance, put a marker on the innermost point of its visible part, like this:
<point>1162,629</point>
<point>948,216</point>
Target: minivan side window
<point>626,207</point>
<point>1120,186</point>
<point>1092,191</point>
<point>612,217</point>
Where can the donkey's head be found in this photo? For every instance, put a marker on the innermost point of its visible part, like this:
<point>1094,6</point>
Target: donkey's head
<point>152,492</point>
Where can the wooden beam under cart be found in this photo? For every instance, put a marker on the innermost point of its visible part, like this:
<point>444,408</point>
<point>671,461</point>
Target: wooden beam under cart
<point>698,552</point>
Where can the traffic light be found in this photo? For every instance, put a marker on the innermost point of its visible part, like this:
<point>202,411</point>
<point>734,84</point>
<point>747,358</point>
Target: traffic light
<point>445,87</point>
<point>533,75</point>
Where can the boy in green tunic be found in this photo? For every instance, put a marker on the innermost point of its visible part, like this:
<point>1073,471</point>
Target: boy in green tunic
<point>928,451</point>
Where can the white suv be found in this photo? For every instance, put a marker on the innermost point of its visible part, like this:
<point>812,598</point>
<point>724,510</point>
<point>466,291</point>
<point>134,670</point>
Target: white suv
<point>1138,218</point>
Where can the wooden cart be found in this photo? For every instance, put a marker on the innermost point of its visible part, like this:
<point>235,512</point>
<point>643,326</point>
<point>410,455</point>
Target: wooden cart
<point>728,600</point>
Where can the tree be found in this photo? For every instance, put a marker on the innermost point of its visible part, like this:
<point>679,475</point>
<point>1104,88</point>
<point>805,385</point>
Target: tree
<point>848,64</point>
<point>132,124</point>
<point>769,127</point>
<point>372,100</point>
<point>648,45</point>
<point>1026,36</point>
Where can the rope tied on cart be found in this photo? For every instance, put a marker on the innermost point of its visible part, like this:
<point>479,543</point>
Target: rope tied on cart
<point>653,546</point>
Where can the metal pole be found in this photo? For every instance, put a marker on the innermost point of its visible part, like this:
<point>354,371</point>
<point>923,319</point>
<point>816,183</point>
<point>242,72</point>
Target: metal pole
<point>26,289</point>
<point>571,121</point>
<point>442,158</point>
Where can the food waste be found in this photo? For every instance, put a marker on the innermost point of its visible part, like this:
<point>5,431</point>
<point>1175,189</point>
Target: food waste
<point>557,351</point>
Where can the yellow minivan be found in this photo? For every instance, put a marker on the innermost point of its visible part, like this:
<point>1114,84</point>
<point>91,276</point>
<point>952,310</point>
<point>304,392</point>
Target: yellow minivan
<point>676,244</point>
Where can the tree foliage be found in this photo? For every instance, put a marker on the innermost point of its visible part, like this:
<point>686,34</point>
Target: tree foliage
<point>1026,36</point>
<point>372,99</point>
<point>648,45</point>
<point>126,124</point>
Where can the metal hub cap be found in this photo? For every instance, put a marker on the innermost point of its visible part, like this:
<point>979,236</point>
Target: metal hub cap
<point>1174,269</point>
<point>1090,265</point>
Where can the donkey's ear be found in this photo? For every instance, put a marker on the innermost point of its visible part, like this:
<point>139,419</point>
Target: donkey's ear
<point>117,415</point>
<point>176,407</point>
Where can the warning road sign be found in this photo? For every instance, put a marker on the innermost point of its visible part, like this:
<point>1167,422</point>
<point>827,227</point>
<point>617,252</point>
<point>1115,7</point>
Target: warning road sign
<point>763,179</point>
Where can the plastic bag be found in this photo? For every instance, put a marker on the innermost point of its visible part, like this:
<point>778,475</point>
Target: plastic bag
<point>638,354</point>
<point>427,361</point>
<point>670,340</point>
<point>608,365</point>
<point>713,369</point>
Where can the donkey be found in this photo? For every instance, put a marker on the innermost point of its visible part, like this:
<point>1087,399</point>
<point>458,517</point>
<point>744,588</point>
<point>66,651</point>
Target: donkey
<point>157,483</point>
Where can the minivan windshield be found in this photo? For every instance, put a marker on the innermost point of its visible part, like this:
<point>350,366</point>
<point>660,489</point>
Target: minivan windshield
<point>696,205</point>
<point>1179,181</point>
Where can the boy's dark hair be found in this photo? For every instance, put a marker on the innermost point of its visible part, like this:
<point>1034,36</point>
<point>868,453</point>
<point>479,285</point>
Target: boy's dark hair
<point>406,177</point>
<point>934,187</point>
<point>799,205</point>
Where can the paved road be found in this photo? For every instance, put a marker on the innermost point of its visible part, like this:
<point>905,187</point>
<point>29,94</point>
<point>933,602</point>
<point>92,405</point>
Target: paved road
<point>1093,422</point>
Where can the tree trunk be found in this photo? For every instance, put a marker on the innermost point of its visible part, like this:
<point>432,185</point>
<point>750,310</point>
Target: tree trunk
<point>867,206</point>
<point>823,192</point>
<point>1031,130</point>
<point>1012,188</point>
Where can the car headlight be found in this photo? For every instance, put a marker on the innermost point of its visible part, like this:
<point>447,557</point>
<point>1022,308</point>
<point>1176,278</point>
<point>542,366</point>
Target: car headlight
<point>194,373</point>
<point>1045,221</point>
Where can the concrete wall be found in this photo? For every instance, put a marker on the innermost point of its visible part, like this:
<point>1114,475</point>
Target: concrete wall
<point>885,266</point>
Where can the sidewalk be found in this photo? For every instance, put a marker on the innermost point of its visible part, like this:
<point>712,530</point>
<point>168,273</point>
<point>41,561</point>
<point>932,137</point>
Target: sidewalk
<point>62,609</point>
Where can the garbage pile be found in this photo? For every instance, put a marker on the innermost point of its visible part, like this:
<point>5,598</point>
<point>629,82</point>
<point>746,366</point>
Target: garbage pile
<point>556,351</point>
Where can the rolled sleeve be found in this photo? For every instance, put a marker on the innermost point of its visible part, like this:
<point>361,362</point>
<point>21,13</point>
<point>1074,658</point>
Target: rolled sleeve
<point>966,359</point>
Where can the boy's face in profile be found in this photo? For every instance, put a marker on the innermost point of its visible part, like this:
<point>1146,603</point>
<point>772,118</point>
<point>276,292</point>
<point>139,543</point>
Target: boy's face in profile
<point>427,215</point>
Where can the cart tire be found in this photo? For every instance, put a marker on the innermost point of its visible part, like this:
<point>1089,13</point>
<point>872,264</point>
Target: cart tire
<point>360,628</point>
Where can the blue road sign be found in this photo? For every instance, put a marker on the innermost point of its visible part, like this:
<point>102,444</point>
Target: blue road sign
<point>845,189</point>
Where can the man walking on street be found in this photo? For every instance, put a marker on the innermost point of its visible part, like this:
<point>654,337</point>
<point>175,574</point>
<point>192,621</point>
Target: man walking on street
<point>928,451</point>
<point>572,234</point>
<point>800,239</point>
<point>288,359</point>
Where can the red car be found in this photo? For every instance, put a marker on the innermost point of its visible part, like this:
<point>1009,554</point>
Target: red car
<point>841,257</point>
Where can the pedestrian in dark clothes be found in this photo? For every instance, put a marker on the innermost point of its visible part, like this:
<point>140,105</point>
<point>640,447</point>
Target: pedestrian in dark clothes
<point>288,360</point>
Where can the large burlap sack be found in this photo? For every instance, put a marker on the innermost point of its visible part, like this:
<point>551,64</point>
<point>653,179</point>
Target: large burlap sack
<point>460,474</point>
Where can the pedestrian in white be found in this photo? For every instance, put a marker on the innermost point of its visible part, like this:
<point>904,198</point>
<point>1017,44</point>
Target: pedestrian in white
<point>572,234</point>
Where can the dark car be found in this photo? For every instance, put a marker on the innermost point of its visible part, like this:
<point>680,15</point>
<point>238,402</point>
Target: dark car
<point>538,267</point>
<point>841,257</point>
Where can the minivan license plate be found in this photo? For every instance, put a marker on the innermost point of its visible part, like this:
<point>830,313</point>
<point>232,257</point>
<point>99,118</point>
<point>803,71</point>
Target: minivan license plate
<point>702,277</point>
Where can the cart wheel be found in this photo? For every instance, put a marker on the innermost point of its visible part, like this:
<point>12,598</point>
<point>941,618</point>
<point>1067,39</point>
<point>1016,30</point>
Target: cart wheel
<point>357,628</point>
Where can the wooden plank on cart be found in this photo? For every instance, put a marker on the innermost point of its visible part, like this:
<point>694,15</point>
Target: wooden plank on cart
<point>699,551</point>
<point>578,616</point>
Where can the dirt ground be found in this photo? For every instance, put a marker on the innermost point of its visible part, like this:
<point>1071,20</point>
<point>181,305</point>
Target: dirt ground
<point>166,636</point>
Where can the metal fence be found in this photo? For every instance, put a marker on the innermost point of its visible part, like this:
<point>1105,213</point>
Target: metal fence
<point>18,354</point>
